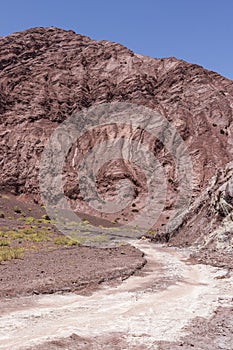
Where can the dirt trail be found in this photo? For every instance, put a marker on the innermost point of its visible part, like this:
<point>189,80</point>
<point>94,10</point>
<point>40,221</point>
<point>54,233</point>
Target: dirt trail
<point>147,308</point>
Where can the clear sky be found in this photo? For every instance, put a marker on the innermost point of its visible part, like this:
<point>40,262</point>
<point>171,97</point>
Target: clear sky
<point>198,31</point>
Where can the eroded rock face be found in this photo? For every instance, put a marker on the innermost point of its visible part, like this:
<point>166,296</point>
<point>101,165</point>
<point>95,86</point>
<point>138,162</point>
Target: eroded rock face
<point>209,222</point>
<point>47,74</point>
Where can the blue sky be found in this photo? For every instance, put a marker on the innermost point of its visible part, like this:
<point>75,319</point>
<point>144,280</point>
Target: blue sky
<point>197,31</point>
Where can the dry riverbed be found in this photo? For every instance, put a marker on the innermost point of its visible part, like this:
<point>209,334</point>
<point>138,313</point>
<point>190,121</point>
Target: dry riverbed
<point>173,304</point>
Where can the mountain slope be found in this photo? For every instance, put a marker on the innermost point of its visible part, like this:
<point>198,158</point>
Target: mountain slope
<point>46,74</point>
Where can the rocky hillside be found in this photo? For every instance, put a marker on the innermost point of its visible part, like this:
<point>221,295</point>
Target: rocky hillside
<point>47,74</point>
<point>208,225</point>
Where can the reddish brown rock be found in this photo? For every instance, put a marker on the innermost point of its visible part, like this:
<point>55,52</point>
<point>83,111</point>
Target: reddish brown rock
<point>47,74</point>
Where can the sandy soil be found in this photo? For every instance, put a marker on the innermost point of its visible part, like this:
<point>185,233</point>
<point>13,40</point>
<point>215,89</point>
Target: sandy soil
<point>212,333</point>
<point>47,267</point>
<point>154,311</point>
<point>74,298</point>
<point>67,269</point>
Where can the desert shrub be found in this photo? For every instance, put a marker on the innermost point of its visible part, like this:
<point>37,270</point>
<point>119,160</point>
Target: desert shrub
<point>27,234</point>
<point>64,240</point>
<point>122,243</point>
<point>10,253</point>
<point>14,234</point>
<point>26,230</point>
<point>71,224</point>
<point>39,236</point>
<point>99,238</point>
<point>17,210</point>
<point>46,217</point>
<point>28,220</point>
<point>2,215</point>
<point>3,196</point>
<point>4,242</point>
<point>151,233</point>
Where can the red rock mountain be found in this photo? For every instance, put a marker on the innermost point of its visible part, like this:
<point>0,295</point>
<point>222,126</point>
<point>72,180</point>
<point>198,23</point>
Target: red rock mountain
<point>46,74</point>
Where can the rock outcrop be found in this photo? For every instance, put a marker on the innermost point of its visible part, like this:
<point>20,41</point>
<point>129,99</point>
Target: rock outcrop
<point>47,74</point>
<point>209,222</point>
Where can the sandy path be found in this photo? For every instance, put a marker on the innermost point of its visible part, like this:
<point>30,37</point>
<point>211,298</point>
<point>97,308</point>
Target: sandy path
<point>150,308</point>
